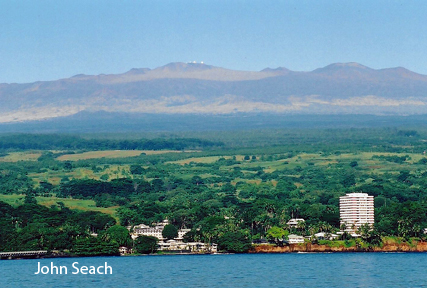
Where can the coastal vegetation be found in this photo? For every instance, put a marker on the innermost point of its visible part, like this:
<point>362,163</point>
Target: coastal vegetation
<point>230,188</point>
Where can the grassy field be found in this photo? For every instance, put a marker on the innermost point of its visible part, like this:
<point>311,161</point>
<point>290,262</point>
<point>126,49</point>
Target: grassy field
<point>34,155</point>
<point>55,176</point>
<point>84,205</point>
<point>266,162</point>
<point>186,168</point>
<point>364,160</point>
<point>21,156</point>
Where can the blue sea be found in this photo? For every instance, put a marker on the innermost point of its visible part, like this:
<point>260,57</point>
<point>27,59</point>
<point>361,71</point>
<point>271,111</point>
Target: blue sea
<point>246,270</point>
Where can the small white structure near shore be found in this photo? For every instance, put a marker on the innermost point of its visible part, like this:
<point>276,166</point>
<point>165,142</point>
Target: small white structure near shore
<point>326,236</point>
<point>125,250</point>
<point>193,247</point>
<point>295,239</point>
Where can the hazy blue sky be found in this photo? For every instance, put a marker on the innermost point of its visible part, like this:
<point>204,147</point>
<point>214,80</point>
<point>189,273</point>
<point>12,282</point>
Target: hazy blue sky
<point>46,40</point>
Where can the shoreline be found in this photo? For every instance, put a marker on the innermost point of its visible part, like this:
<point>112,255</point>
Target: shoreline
<point>68,255</point>
<point>387,246</point>
<point>264,249</point>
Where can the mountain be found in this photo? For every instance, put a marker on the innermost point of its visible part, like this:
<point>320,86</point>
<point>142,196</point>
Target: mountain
<point>187,88</point>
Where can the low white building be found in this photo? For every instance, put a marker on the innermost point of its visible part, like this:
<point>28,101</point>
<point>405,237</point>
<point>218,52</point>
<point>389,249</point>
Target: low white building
<point>326,236</point>
<point>155,231</point>
<point>354,235</point>
<point>147,231</point>
<point>124,250</point>
<point>198,247</point>
<point>171,245</point>
<point>295,239</point>
<point>203,247</point>
<point>294,222</point>
<point>182,232</point>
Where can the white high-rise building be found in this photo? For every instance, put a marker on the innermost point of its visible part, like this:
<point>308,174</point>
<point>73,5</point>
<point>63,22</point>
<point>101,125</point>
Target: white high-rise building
<point>356,209</point>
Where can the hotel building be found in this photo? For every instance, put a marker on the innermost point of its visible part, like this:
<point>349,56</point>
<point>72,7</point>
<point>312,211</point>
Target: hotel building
<point>356,209</point>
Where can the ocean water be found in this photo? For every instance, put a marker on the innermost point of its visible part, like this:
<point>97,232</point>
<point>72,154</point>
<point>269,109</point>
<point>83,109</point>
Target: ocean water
<point>246,270</point>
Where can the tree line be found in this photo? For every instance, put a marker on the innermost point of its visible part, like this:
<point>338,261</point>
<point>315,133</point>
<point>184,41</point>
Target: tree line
<point>35,227</point>
<point>70,142</point>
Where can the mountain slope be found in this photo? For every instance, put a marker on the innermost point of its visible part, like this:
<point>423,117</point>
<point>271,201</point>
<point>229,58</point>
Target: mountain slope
<point>206,89</point>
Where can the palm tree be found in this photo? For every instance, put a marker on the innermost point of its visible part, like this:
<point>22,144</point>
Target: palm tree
<point>312,229</point>
<point>353,227</point>
<point>364,231</point>
<point>301,226</point>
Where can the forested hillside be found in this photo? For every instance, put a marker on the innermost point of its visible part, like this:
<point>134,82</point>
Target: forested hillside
<point>226,188</point>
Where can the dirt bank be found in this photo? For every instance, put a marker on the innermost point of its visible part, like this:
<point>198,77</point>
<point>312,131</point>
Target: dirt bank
<point>308,247</point>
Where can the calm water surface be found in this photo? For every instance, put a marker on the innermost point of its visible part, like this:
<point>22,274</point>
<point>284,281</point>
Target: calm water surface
<point>260,270</point>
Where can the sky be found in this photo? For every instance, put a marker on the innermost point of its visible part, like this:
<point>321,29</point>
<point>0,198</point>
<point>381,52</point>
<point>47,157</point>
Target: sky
<point>48,40</point>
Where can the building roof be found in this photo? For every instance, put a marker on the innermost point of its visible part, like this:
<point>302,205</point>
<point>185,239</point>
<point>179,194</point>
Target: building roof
<point>141,226</point>
<point>322,234</point>
<point>295,221</point>
<point>357,195</point>
<point>294,236</point>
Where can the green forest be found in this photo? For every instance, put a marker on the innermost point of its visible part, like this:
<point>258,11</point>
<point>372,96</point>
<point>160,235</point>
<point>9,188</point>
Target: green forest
<point>232,188</point>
